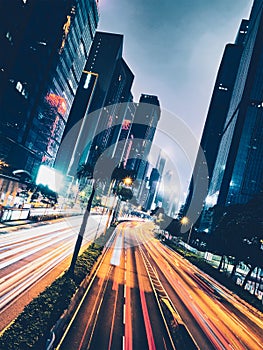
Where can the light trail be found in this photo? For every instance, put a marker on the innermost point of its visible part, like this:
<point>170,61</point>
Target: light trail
<point>26,256</point>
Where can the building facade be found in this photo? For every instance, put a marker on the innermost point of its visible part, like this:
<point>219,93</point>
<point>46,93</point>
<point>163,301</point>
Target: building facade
<point>238,170</point>
<point>44,47</point>
<point>143,129</point>
<point>98,113</point>
<point>214,124</point>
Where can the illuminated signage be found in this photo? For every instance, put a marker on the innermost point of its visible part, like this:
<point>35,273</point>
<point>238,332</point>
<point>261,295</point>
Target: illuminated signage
<point>126,124</point>
<point>49,177</point>
<point>58,102</point>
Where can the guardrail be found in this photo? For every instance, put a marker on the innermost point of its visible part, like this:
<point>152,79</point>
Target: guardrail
<point>16,214</point>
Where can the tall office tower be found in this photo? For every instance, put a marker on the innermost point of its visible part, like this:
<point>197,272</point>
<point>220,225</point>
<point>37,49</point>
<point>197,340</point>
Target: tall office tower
<point>98,112</point>
<point>44,47</point>
<point>143,129</point>
<point>160,164</point>
<point>144,192</point>
<point>214,124</point>
<point>153,185</point>
<point>238,170</point>
<point>170,196</point>
<point>122,147</point>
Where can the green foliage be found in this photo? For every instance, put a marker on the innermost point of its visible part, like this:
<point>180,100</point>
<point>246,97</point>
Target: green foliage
<point>85,263</point>
<point>31,328</point>
<point>166,222</point>
<point>48,196</point>
<point>239,234</point>
<point>124,193</point>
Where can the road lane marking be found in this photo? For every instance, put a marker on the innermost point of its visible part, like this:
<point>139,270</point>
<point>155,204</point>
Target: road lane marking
<point>147,322</point>
<point>116,254</point>
<point>124,313</point>
<point>124,287</point>
<point>102,292</point>
<point>123,342</point>
<point>128,322</point>
<point>84,295</point>
<point>114,311</point>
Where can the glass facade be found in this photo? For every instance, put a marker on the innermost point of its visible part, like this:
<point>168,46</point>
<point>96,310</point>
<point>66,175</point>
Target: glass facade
<point>102,109</point>
<point>52,115</point>
<point>41,66</point>
<point>238,171</point>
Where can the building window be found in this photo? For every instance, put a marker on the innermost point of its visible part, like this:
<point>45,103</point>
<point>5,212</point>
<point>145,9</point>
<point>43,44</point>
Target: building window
<point>19,86</point>
<point>9,36</point>
<point>221,87</point>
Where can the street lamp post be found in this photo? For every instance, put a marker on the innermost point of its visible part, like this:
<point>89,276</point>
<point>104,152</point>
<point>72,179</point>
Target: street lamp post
<point>185,221</point>
<point>127,181</point>
<point>189,234</point>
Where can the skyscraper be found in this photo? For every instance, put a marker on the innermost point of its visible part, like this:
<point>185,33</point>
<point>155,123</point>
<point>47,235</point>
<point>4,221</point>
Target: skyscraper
<point>238,170</point>
<point>146,118</point>
<point>99,110</point>
<point>160,164</point>
<point>153,186</point>
<point>44,47</point>
<point>214,124</point>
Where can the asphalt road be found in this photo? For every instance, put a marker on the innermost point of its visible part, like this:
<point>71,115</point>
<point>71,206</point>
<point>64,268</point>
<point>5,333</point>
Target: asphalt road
<point>124,306</point>
<point>121,308</point>
<point>27,255</point>
<point>215,317</point>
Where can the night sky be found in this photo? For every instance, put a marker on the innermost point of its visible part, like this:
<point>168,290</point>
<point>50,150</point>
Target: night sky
<point>174,48</point>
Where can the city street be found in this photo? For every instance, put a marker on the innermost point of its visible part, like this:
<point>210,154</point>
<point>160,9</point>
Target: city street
<point>27,255</point>
<point>120,309</point>
<point>126,196</point>
<point>214,316</point>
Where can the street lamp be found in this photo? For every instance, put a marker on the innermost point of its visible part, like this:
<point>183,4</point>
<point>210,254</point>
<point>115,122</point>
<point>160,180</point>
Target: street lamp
<point>127,181</point>
<point>185,221</point>
<point>123,193</point>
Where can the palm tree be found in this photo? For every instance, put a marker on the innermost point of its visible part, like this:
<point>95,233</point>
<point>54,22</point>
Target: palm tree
<point>104,170</point>
<point>85,171</point>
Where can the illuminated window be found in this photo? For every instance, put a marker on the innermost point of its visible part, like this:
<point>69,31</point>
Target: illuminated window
<point>221,87</point>
<point>86,85</point>
<point>81,46</point>
<point>19,86</point>
<point>71,84</point>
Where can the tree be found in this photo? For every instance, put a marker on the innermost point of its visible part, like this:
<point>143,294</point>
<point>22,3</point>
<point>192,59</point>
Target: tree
<point>105,170</point>
<point>48,196</point>
<point>125,194</point>
<point>121,190</point>
<point>85,171</point>
<point>239,234</point>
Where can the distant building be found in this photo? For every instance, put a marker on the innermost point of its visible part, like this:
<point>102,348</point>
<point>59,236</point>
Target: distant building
<point>44,47</point>
<point>123,147</point>
<point>143,129</point>
<point>160,164</point>
<point>238,170</point>
<point>170,197</point>
<point>153,186</point>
